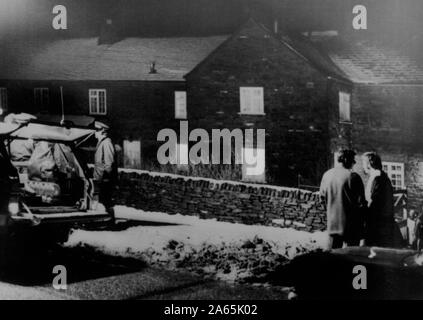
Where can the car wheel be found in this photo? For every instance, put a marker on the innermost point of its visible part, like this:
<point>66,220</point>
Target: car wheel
<point>61,236</point>
<point>50,238</point>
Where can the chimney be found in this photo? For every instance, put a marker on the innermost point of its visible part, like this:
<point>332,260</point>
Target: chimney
<point>275,26</point>
<point>153,69</point>
<point>108,34</point>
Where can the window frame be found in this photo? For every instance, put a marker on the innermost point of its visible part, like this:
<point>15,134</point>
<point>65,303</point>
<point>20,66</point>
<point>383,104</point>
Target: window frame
<point>129,144</point>
<point>387,167</point>
<point>184,114</point>
<point>260,178</point>
<point>243,97</point>
<point>342,94</point>
<point>182,155</point>
<point>95,93</point>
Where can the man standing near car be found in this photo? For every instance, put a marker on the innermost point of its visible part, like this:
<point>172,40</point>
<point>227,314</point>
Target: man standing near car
<point>343,191</point>
<point>105,167</point>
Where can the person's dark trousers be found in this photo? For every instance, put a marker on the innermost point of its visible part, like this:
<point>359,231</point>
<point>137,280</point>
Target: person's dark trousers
<point>106,197</point>
<point>352,243</point>
<point>4,208</point>
<point>336,241</point>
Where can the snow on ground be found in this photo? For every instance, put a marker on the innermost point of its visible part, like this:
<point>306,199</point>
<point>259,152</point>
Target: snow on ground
<point>227,250</point>
<point>194,232</point>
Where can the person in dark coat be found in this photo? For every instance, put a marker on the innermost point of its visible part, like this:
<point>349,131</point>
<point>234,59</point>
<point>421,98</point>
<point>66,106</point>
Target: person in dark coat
<point>381,228</point>
<point>343,192</point>
<point>418,233</point>
<point>7,171</point>
<point>105,167</point>
<point>8,174</point>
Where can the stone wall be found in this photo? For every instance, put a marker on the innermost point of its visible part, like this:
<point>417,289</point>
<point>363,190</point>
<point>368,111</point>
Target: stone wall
<point>224,200</point>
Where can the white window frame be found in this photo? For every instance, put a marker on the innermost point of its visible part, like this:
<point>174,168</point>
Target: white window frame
<point>180,104</point>
<point>39,92</point>
<point>3,100</point>
<point>182,154</point>
<point>95,109</point>
<point>393,173</point>
<point>344,103</point>
<point>251,100</point>
<point>131,145</point>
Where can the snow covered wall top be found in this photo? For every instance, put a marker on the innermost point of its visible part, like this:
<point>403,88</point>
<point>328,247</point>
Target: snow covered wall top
<point>224,201</point>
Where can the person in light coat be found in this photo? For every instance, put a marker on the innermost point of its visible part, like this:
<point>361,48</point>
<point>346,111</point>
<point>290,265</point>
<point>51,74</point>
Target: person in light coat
<point>343,192</point>
<point>105,167</point>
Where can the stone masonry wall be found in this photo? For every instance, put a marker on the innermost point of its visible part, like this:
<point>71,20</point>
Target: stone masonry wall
<point>226,201</point>
<point>296,102</point>
<point>387,119</point>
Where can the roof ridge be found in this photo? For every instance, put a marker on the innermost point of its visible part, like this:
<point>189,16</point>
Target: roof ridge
<point>127,61</point>
<point>372,61</point>
<point>336,71</point>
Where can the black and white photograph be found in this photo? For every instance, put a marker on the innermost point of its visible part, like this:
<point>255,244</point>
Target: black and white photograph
<point>222,151</point>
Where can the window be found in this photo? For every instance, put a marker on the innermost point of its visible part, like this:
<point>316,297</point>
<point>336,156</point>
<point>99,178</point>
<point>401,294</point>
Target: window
<point>252,100</point>
<point>182,154</point>
<point>395,172</point>
<point>253,165</point>
<point>178,155</point>
<point>132,154</point>
<point>344,107</point>
<point>180,105</point>
<point>42,99</point>
<point>3,100</point>
<point>98,102</point>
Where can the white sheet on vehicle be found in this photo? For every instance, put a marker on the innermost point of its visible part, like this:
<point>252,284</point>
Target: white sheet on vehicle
<point>38,131</point>
<point>7,128</point>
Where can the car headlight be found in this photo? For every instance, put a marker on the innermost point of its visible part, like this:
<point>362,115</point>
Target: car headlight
<point>14,208</point>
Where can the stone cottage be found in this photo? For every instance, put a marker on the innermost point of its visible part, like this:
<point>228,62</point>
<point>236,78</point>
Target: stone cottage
<point>385,104</point>
<point>261,80</point>
<point>315,93</point>
<point>132,84</point>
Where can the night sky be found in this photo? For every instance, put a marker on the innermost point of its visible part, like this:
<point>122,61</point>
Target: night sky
<point>86,18</point>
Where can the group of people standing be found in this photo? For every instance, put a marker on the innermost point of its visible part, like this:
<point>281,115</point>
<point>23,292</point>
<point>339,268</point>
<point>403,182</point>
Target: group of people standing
<point>358,214</point>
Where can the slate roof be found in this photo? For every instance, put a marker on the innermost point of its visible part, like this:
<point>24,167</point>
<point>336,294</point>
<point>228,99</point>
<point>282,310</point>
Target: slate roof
<point>372,62</point>
<point>313,55</point>
<point>84,59</point>
<point>341,57</point>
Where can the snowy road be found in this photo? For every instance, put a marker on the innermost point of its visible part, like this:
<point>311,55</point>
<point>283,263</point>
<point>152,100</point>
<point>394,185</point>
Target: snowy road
<point>93,276</point>
<point>141,258</point>
<point>156,229</point>
<point>225,251</point>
